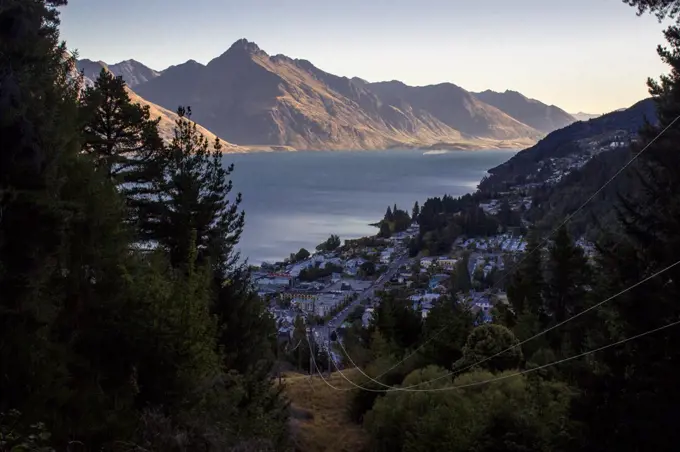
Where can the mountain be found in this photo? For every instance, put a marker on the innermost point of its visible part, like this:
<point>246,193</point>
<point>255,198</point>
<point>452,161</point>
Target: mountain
<point>252,98</point>
<point>542,117</point>
<point>91,71</point>
<point>133,72</point>
<point>580,116</point>
<point>456,108</point>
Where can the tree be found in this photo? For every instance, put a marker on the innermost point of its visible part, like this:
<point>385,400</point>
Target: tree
<point>385,231</point>
<point>388,214</point>
<point>514,414</point>
<point>447,326</point>
<point>39,139</point>
<point>196,197</point>
<point>300,256</point>
<point>564,290</point>
<point>487,341</point>
<point>367,268</point>
<point>630,393</point>
<point>525,292</point>
<point>122,140</point>
<point>461,281</point>
<point>660,8</point>
<point>415,212</point>
<point>331,244</point>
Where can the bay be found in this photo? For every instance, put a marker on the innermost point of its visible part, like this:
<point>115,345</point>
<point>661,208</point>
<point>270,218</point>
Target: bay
<point>297,199</point>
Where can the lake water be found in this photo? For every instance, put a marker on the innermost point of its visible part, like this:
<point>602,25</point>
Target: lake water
<point>297,199</point>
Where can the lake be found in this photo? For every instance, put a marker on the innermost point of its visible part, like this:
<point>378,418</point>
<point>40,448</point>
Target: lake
<point>297,199</point>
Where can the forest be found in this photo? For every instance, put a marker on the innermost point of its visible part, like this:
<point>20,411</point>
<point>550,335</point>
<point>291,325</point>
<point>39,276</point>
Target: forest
<point>128,321</point>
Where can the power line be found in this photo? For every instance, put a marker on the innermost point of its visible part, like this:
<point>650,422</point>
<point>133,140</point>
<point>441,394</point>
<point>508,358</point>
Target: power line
<point>569,218</point>
<point>449,374</point>
<point>516,374</point>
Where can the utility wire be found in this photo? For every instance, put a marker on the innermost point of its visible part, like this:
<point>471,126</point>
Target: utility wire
<point>449,374</point>
<point>516,374</point>
<point>569,218</point>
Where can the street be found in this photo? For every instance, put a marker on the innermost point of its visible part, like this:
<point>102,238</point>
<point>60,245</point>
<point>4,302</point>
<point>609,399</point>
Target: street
<point>319,331</point>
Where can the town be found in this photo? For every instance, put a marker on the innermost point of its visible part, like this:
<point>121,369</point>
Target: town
<point>330,289</point>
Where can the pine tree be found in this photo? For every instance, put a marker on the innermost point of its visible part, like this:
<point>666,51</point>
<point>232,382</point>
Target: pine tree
<point>122,140</point>
<point>389,214</point>
<point>195,196</point>
<point>416,211</point>
<point>564,291</point>
<point>448,325</point>
<point>526,287</point>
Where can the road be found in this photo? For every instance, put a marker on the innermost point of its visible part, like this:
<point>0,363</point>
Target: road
<point>320,330</point>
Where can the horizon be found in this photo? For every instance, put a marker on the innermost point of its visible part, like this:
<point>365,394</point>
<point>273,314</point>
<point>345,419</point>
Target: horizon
<point>582,57</point>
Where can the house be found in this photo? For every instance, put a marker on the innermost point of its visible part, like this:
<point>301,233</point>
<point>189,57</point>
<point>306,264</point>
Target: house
<point>386,256</point>
<point>273,282</point>
<point>447,263</point>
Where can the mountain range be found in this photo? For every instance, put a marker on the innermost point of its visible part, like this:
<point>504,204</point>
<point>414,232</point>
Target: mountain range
<point>258,101</point>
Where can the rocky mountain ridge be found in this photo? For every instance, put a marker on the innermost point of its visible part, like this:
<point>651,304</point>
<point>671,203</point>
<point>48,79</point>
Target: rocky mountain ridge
<point>256,100</point>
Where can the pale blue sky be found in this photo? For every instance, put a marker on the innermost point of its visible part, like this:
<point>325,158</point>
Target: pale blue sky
<point>582,55</point>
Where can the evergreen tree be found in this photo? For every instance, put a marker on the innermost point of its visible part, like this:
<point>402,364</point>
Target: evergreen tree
<point>122,139</point>
<point>388,214</point>
<point>385,231</point>
<point>196,197</point>
<point>38,136</point>
<point>447,327</point>
<point>525,292</point>
<point>564,291</point>
<point>461,282</point>
<point>416,211</point>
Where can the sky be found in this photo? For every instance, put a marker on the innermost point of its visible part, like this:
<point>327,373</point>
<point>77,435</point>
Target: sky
<point>581,55</point>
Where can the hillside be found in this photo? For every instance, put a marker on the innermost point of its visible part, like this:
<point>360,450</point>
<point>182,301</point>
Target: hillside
<point>580,140</point>
<point>567,167</point>
<point>319,420</point>
<point>252,98</point>
<point>542,117</point>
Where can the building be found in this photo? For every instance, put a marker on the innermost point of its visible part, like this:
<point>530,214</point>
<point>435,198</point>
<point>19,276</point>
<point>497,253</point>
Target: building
<point>386,256</point>
<point>447,263</point>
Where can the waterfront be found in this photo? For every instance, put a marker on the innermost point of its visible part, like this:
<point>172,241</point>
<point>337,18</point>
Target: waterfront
<point>296,199</point>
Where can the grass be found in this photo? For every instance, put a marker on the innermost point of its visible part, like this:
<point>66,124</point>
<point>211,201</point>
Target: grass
<point>330,429</point>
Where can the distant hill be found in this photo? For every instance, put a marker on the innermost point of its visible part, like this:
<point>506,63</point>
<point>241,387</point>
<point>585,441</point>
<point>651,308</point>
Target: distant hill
<point>580,116</point>
<point>542,117</point>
